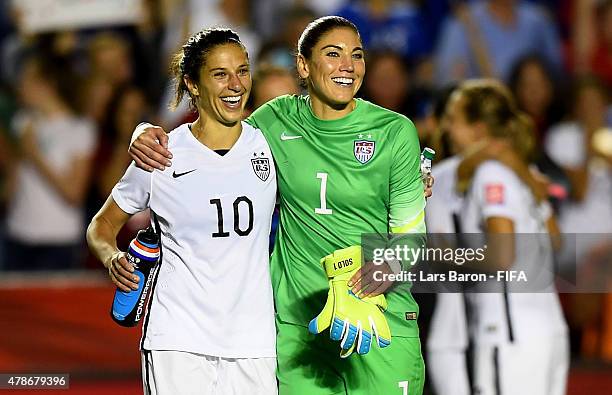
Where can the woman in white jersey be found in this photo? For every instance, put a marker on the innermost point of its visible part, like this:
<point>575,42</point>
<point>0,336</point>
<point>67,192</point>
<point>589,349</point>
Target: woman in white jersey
<point>447,340</point>
<point>447,343</point>
<point>209,328</point>
<point>520,337</point>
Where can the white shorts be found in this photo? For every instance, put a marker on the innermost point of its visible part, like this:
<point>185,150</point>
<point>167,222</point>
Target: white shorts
<point>535,367</point>
<point>178,372</point>
<point>448,371</point>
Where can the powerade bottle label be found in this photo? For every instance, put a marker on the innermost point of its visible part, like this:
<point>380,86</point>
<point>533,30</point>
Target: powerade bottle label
<point>143,252</point>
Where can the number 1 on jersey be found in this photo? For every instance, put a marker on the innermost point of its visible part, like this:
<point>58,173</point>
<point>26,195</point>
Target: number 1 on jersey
<point>323,209</point>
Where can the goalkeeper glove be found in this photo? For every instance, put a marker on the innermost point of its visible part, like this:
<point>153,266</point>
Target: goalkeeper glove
<point>353,321</point>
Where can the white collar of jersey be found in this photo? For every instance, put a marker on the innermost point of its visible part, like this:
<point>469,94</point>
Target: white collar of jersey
<point>210,152</point>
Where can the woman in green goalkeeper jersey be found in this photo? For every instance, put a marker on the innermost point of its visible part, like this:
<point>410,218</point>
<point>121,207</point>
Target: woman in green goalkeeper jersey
<point>346,167</point>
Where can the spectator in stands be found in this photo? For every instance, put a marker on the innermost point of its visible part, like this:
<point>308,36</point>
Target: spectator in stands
<point>385,24</point>
<point>45,212</point>
<point>280,50</point>
<point>110,58</point>
<point>110,66</point>
<point>570,145</point>
<point>487,38</point>
<point>7,149</point>
<point>7,109</point>
<point>270,82</point>
<point>592,39</point>
<point>277,53</point>
<point>6,171</point>
<point>387,82</point>
<point>574,146</point>
<point>534,86</point>
<point>189,16</point>
<point>294,21</point>
<point>12,41</point>
<point>390,83</point>
<point>147,55</point>
<point>268,13</point>
<point>127,108</point>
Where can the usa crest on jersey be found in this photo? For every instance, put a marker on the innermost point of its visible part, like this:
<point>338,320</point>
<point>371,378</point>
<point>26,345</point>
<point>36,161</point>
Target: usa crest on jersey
<point>261,167</point>
<point>363,150</point>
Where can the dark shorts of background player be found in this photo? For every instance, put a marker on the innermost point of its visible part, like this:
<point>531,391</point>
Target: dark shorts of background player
<point>311,364</point>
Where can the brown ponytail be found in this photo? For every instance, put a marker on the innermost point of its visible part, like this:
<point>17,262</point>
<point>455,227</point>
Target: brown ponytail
<point>179,81</point>
<point>521,130</point>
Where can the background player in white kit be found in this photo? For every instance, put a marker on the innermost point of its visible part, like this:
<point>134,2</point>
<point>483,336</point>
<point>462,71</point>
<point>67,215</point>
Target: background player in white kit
<point>448,342</point>
<point>210,323</point>
<point>521,344</point>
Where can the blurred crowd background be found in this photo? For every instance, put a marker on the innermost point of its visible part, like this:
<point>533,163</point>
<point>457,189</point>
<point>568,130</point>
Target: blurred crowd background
<point>75,81</point>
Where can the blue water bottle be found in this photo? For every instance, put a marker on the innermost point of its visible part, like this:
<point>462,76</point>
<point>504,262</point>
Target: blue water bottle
<point>143,254</point>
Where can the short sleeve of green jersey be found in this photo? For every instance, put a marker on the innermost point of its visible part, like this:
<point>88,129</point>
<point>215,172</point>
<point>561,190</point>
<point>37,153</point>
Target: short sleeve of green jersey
<point>406,199</point>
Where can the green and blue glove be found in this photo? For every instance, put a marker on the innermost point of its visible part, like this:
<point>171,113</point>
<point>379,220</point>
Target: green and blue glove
<point>352,320</point>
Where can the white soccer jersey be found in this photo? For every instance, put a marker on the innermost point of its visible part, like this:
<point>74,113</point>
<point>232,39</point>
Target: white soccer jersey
<point>448,325</point>
<point>505,315</point>
<point>445,201</point>
<point>448,338</point>
<point>212,294</point>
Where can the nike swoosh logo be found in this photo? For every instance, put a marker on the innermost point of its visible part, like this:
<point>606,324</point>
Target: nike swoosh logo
<point>285,137</point>
<point>177,175</point>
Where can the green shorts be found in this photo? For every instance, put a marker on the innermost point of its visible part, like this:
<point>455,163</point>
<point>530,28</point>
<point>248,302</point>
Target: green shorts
<point>311,365</point>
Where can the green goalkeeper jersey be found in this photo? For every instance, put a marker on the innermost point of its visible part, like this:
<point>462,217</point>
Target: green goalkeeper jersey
<point>337,180</point>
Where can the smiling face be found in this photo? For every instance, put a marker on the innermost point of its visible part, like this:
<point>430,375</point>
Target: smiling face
<point>335,68</point>
<point>224,84</point>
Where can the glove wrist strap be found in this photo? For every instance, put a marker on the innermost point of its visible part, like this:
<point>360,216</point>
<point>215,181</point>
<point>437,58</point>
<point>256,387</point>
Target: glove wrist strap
<point>336,267</point>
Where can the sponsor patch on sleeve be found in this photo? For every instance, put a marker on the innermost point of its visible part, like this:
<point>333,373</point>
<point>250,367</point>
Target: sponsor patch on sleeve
<point>494,193</point>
